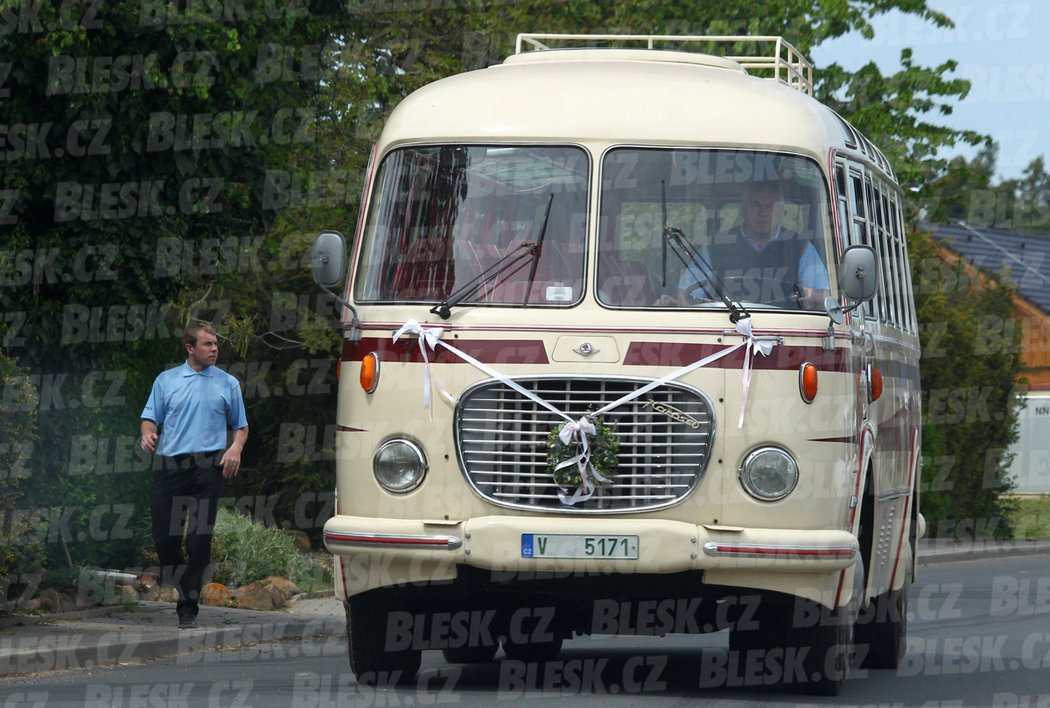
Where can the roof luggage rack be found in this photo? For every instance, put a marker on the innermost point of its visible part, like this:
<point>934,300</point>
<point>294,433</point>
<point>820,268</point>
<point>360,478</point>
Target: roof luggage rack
<point>781,61</point>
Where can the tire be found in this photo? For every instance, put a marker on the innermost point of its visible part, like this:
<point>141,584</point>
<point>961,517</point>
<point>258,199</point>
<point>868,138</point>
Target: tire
<point>826,651</point>
<point>529,640</point>
<point>882,630</point>
<point>806,647</point>
<point>470,655</point>
<point>530,652</point>
<point>370,659</point>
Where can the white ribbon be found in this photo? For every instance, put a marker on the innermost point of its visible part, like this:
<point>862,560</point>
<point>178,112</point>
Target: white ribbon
<point>579,430</point>
<point>428,337</point>
<point>583,429</point>
<point>763,346</point>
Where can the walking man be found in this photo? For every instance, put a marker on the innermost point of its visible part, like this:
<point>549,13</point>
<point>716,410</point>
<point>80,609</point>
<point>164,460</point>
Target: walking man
<point>186,421</point>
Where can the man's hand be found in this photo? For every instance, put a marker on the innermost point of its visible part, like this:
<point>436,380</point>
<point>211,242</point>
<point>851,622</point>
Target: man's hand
<point>814,299</point>
<point>149,436</point>
<point>231,459</point>
<point>231,462</point>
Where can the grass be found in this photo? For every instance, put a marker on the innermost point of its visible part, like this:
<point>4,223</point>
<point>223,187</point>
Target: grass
<point>246,551</point>
<point>1032,518</point>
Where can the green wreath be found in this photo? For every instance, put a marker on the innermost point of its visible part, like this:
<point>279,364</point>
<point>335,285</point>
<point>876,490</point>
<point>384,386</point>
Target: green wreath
<point>604,447</point>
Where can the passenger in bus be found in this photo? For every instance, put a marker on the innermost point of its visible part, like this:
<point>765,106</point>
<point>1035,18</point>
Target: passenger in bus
<point>759,260</point>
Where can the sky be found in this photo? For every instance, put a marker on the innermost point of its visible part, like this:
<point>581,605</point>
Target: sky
<point>1003,48</point>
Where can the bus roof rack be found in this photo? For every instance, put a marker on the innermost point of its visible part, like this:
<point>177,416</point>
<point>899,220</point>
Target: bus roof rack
<point>781,61</point>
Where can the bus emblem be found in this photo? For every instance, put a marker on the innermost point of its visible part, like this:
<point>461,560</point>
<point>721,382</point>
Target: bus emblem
<point>674,414</point>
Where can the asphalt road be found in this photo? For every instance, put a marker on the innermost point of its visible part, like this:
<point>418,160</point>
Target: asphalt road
<point>979,635</point>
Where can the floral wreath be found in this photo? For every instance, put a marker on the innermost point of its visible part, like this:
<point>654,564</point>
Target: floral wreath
<point>603,448</point>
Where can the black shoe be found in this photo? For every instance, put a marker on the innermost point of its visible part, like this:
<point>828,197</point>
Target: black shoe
<point>187,617</point>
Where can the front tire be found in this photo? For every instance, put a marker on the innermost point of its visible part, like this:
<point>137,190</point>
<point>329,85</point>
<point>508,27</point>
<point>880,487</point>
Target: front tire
<point>372,659</point>
<point>883,630</point>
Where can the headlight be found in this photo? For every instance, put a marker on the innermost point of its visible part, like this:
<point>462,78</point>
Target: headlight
<point>769,473</point>
<point>399,465</point>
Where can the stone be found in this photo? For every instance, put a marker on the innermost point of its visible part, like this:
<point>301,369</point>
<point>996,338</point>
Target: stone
<point>216,595</point>
<point>284,586</point>
<point>256,596</point>
<point>53,600</point>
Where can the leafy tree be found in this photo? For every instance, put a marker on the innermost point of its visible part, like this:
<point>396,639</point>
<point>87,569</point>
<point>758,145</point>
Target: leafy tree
<point>970,363</point>
<point>964,191</point>
<point>151,147</point>
<point>189,153</point>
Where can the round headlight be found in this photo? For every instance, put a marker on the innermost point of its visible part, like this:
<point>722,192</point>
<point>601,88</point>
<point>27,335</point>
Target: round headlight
<point>769,473</point>
<point>399,465</point>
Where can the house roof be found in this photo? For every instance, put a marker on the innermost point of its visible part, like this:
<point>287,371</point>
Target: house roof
<point>1025,260</point>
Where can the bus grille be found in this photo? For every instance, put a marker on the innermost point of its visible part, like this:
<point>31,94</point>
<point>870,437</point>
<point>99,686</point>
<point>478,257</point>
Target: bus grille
<point>665,437</point>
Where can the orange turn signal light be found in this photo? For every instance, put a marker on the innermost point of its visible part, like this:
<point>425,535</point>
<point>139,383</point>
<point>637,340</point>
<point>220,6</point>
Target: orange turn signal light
<point>807,381</point>
<point>370,372</point>
<point>875,383</point>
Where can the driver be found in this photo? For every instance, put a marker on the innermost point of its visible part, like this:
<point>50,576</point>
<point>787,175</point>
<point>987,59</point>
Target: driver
<point>759,260</point>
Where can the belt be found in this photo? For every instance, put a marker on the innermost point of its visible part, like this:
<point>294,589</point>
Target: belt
<point>194,458</point>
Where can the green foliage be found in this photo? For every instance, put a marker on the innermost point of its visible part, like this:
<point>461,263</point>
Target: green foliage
<point>603,449</point>
<point>963,191</point>
<point>245,551</point>
<point>219,225</point>
<point>19,549</point>
<point>970,362</point>
<point>1031,520</point>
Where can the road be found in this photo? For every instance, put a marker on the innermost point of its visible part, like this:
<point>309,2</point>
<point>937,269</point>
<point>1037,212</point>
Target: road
<point>979,635</point>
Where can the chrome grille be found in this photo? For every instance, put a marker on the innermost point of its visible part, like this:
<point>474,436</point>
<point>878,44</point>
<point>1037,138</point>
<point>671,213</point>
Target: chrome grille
<point>665,438</point>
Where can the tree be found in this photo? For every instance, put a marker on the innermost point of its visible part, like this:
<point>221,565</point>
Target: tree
<point>970,363</point>
<point>172,160</point>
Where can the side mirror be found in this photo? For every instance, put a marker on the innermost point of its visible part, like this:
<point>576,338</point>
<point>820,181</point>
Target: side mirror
<point>859,273</point>
<point>858,280</point>
<point>328,259</point>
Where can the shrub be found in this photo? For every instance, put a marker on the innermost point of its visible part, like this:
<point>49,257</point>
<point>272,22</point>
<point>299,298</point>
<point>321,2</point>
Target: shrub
<point>245,551</point>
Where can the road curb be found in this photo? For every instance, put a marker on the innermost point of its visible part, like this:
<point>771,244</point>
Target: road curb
<point>934,552</point>
<point>82,644</point>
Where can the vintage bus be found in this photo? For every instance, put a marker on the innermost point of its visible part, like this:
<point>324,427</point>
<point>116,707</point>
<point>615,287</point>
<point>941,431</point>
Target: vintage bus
<point>630,348</point>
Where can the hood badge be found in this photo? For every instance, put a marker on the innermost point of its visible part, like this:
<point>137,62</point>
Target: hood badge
<point>673,413</point>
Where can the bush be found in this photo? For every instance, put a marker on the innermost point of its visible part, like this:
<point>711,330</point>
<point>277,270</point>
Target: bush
<point>20,544</point>
<point>245,551</point>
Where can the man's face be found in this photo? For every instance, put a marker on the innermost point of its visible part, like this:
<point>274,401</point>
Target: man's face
<point>763,210</point>
<point>205,352</point>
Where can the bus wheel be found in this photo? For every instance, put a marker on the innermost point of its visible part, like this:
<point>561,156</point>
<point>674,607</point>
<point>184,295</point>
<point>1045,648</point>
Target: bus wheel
<point>370,659</point>
<point>883,630</point>
<point>532,634</point>
<point>470,655</point>
<point>805,647</point>
<point>532,651</point>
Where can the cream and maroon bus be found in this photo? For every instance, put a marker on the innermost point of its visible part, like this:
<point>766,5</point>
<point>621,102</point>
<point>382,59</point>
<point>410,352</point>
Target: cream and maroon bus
<point>630,348</point>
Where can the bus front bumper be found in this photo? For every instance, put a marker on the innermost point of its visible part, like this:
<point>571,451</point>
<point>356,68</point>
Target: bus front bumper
<point>582,544</point>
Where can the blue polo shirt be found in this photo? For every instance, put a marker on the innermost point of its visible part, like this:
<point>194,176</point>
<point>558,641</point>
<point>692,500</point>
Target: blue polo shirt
<point>194,409</point>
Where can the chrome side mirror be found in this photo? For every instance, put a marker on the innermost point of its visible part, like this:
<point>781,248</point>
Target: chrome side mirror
<point>858,280</point>
<point>328,259</point>
<point>859,273</point>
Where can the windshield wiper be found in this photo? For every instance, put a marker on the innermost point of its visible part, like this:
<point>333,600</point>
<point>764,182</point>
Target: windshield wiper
<point>687,253</point>
<point>516,257</point>
<point>510,263</point>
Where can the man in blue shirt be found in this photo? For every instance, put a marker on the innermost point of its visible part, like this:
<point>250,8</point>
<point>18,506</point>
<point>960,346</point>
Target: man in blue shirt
<point>186,421</point>
<point>760,261</point>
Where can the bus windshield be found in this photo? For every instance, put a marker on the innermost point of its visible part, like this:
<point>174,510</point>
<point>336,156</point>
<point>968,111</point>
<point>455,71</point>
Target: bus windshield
<point>714,229</point>
<point>507,222</point>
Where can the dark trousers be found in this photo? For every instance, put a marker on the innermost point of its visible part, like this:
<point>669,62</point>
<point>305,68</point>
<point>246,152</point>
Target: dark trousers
<point>185,499</point>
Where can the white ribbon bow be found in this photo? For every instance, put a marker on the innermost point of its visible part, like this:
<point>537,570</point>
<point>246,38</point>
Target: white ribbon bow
<point>580,430</point>
<point>428,337</point>
<point>763,347</point>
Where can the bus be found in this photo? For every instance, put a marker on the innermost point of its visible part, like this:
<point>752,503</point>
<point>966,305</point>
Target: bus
<point>629,347</point>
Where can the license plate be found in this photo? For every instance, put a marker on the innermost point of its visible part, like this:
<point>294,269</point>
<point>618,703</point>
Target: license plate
<point>537,545</point>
